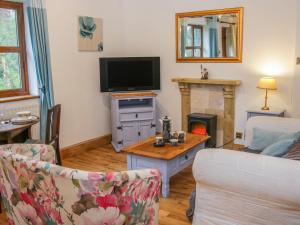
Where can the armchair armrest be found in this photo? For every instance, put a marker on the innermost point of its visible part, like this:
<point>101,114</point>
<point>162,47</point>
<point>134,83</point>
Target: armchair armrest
<point>39,152</point>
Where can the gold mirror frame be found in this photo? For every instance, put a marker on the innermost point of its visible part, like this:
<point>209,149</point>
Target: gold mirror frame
<point>238,59</point>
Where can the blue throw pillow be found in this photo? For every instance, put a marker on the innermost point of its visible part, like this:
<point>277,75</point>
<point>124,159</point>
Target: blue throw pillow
<point>279,148</point>
<point>264,138</point>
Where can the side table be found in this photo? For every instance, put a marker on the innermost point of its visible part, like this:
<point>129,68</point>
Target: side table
<point>260,112</point>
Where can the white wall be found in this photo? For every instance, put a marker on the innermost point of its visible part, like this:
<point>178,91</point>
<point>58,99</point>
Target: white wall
<point>85,111</point>
<point>147,28</point>
<point>296,99</point>
<point>269,42</point>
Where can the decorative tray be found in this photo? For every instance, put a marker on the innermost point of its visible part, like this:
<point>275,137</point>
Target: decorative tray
<point>24,120</point>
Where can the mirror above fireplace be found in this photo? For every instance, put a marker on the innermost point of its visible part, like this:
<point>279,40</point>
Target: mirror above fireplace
<point>210,36</point>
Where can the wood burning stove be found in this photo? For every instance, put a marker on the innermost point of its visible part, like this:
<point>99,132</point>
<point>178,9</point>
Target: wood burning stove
<point>200,123</point>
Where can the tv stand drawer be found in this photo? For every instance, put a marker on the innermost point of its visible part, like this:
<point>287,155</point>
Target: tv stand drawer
<point>136,116</point>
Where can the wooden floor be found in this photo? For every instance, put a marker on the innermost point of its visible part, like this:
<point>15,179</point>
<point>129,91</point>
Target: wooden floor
<point>172,209</point>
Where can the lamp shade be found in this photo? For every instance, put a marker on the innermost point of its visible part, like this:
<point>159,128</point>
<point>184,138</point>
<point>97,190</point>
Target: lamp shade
<point>267,83</point>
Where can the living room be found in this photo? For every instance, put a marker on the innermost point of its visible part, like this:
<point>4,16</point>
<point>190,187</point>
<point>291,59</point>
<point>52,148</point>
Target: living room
<point>139,28</point>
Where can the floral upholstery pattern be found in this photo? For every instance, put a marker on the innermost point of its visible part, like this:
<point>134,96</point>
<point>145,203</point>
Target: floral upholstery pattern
<point>40,152</point>
<point>38,193</point>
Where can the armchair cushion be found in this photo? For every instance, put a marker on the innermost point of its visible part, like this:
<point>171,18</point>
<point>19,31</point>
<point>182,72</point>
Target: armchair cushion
<point>36,192</point>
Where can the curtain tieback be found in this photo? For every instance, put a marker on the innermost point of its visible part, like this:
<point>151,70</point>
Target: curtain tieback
<point>43,89</point>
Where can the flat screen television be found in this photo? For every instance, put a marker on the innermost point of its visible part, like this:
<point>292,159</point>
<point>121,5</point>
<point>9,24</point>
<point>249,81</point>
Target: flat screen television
<point>129,74</point>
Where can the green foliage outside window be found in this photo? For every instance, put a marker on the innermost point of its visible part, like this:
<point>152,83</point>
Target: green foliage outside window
<point>9,61</point>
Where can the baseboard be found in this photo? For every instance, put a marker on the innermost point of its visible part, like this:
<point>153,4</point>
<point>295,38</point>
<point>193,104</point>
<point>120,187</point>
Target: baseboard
<point>85,146</point>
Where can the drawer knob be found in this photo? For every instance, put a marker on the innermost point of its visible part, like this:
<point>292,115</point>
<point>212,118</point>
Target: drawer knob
<point>136,115</point>
<point>186,157</point>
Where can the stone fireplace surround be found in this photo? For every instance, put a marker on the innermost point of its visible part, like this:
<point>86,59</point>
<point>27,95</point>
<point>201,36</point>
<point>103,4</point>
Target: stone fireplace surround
<point>228,87</point>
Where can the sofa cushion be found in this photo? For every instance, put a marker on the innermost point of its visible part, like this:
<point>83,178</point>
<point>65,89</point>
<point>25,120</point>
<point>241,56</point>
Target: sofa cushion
<point>284,124</point>
<point>264,138</point>
<point>279,148</point>
<point>294,152</point>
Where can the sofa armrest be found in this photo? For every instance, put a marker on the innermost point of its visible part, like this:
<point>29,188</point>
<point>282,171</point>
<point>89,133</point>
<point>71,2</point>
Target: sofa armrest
<point>256,175</point>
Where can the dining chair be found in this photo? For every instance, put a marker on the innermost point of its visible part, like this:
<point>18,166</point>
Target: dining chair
<point>52,131</point>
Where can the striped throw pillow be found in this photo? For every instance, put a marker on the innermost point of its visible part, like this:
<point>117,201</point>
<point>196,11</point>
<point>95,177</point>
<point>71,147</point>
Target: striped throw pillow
<point>294,153</point>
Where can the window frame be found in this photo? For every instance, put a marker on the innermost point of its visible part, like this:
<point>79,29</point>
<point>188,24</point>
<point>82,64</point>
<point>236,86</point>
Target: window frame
<point>193,47</point>
<point>21,49</point>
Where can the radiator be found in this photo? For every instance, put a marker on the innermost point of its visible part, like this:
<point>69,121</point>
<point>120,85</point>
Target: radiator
<point>9,110</point>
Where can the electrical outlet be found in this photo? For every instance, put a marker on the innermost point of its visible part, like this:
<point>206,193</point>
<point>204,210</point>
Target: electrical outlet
<point>298,61</point>
<point>239,135</point>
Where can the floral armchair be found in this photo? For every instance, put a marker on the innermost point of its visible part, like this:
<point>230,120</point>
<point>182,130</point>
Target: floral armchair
<point>37,192</point>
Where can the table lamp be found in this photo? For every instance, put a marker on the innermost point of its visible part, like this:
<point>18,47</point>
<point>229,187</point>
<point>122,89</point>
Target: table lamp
<point>267,83</point>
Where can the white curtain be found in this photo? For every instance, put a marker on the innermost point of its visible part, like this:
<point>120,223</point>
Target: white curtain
<point>231,41</point>
<point>234,38</point>
<point>183,37</point>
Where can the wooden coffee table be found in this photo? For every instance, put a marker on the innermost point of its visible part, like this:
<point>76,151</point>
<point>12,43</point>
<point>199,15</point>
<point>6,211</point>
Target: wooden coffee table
<point>170,160</point>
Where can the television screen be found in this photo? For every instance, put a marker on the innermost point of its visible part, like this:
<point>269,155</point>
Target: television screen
<point>129,74</point>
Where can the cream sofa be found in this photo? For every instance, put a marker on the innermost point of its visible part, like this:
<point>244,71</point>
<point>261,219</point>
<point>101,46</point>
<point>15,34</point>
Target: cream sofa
<point>238,188</point>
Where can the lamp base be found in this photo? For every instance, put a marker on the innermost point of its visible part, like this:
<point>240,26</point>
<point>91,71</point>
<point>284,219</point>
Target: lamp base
<point>265,108</point>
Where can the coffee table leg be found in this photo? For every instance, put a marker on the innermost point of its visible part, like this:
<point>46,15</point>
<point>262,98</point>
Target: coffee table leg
<point>165,186</point>
<point>129,161</point>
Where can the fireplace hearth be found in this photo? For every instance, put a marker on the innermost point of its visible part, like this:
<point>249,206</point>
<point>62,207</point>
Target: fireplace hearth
<point>228,87</point>
<point>202,124</point>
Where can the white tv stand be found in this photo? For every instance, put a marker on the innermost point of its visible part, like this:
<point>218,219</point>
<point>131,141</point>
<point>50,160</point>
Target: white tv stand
<point>132,118</point>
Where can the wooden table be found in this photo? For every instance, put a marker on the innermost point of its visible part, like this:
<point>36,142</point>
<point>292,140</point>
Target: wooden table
<point>170,160</point>
<point>10,133</point>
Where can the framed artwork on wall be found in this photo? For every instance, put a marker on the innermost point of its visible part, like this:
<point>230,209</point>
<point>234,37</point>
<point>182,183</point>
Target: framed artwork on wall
<point>90,34</point>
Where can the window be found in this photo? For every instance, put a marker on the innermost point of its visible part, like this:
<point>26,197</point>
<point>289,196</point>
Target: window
<point>13,62</point>
<point>194,43</point>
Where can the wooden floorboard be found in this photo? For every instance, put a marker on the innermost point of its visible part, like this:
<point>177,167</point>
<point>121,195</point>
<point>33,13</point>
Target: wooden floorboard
<point>172,209</point>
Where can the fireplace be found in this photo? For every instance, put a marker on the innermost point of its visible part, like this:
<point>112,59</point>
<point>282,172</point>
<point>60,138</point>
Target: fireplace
<point>202,124</point>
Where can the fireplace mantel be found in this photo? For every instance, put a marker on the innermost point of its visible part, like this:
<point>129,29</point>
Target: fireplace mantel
<point>229,102</point>
<point>207,82</point>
